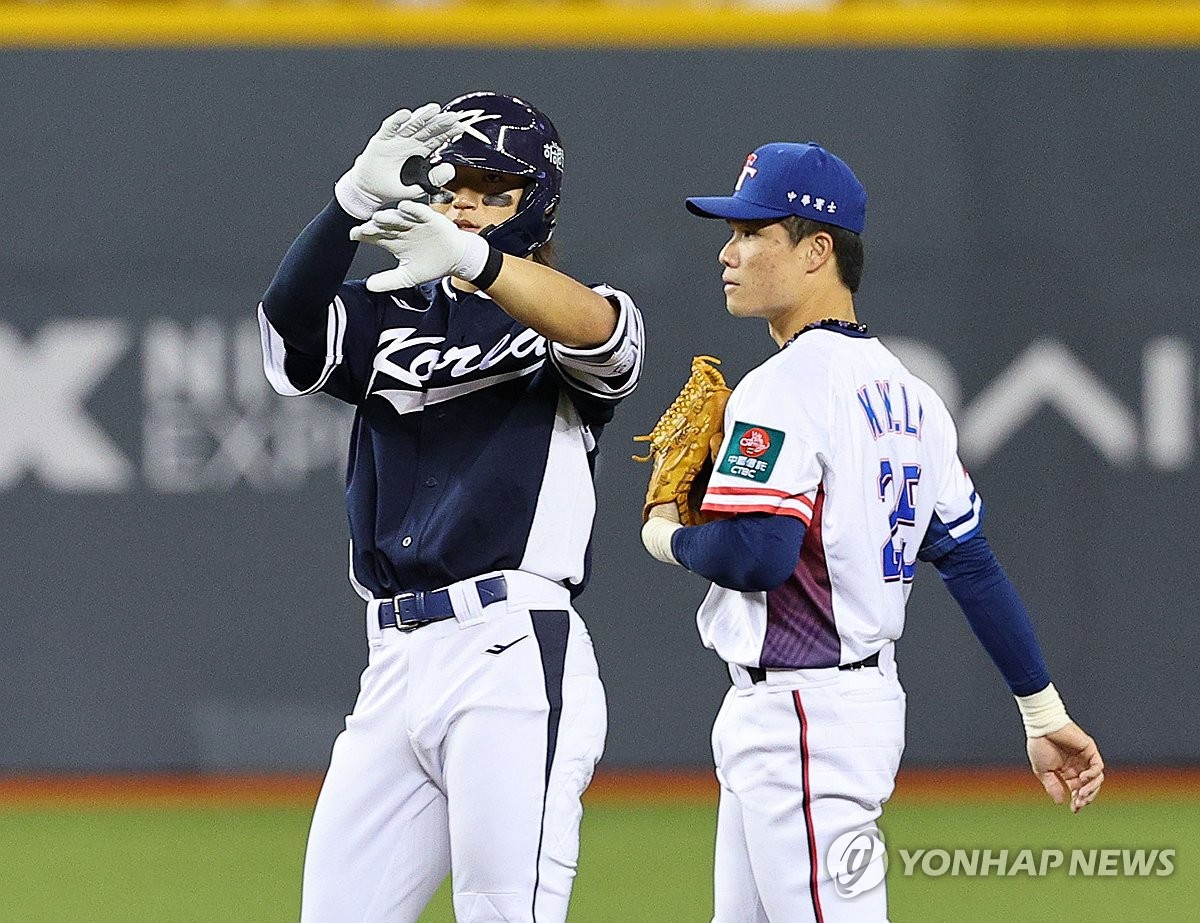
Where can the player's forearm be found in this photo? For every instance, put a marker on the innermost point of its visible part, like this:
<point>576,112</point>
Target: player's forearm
<point>553,304</point>
<point>749,553</point>
<point>307,280</point>
<point>996,614</point>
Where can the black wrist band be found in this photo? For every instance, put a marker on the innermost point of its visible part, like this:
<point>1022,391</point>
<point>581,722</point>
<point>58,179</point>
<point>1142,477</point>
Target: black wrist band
<point>491,269</point>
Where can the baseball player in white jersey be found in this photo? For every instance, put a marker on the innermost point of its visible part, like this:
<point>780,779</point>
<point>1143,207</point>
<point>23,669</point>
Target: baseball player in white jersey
<point>482,380</point>
<point>839,468</point>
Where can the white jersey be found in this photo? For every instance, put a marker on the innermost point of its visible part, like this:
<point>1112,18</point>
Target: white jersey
<point>836,432</point>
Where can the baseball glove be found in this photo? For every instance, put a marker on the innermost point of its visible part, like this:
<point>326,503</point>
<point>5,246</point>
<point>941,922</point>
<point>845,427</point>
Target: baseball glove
<point>685,441</point>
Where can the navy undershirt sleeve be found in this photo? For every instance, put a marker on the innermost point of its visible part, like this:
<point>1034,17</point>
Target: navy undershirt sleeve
<point>749,552</point>
<point>297,300</point>
<point>995,613</point>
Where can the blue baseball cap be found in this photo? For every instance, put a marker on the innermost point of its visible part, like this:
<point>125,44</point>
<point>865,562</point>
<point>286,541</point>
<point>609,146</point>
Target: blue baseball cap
<point>781,179</point>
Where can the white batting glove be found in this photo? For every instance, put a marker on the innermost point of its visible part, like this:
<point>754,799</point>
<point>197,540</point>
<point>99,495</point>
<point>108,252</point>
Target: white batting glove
<point>427,245</point>
<point>376,178</point>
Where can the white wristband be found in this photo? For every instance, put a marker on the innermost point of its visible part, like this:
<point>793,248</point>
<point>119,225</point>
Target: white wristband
<point>1043,712</point>
<point>356,202</point>
<point>656,536</point>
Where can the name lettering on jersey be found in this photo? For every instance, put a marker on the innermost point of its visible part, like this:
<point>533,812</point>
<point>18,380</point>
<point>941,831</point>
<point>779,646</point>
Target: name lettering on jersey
<point>901,414</point>
<point>751,452</point>
<point>462,361</point>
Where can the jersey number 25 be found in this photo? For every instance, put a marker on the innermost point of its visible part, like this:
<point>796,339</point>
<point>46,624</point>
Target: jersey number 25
<point>904,513</point>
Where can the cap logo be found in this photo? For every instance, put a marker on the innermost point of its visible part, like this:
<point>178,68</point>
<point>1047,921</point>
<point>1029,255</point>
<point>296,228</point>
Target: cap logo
<point>817,202</point>
<point>749,171</point>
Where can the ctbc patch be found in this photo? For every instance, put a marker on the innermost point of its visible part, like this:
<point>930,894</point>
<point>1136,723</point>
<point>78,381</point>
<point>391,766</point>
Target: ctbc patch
<point>751,452</point>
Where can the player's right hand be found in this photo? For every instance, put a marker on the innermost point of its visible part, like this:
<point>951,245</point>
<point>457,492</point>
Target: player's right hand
<point>425,243</point>
<point>375,177</point>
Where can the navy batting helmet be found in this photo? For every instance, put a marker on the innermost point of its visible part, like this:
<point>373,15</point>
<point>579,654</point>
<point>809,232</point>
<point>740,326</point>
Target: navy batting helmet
<point>508,135</point>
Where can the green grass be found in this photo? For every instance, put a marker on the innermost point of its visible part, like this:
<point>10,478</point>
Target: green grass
<point>640,863</point>
<point>134,865</point>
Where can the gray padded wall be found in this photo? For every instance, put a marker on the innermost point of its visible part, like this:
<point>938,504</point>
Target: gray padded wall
<point>172,573</point>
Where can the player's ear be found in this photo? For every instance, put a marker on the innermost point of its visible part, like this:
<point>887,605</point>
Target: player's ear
<point>816,250</point>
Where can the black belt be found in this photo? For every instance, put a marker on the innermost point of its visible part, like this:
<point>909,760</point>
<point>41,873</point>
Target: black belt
<point>759,674</point>
<point>409,611</point>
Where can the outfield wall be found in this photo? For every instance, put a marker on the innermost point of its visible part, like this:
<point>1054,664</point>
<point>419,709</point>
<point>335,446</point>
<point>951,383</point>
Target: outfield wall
<point>172,581</point>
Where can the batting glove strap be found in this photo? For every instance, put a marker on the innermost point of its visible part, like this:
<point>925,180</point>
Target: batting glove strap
<point>480,262</point>
<point>355,201</point>
<point>656,536</point>
<point>1043,712</point>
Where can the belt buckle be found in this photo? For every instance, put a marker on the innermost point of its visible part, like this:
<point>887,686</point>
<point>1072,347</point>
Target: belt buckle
<point>401,623</point>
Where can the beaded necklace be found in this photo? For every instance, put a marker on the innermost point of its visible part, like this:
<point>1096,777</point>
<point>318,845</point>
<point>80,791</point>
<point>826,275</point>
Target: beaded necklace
<point>829,322</point>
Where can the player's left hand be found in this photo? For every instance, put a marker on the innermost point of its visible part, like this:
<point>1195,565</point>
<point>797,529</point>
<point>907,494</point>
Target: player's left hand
<point>426,244</point>
<point>667,511</point>
<point>1068,764</point>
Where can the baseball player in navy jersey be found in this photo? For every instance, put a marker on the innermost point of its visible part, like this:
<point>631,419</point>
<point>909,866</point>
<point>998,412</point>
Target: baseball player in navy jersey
<point>839,469</point>
<point>482,379</point>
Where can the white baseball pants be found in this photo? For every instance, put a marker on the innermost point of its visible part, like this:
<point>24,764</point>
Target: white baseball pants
<point>468,749</point>
<point>802,758</point>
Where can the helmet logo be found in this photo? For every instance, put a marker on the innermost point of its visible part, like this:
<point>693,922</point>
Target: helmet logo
<point>553,153</point>
<point>471,118</point>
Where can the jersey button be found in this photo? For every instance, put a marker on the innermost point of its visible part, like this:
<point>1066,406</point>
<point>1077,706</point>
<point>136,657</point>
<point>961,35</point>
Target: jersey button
<point>431,482</point>
<point>407,541</point>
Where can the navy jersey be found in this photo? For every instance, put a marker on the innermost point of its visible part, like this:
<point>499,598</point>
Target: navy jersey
<point>474,439</point>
